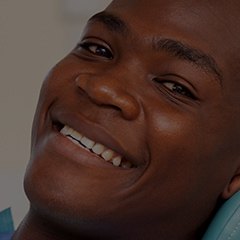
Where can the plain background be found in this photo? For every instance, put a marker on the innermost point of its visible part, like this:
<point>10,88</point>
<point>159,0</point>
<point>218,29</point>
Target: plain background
<point>34,35</point>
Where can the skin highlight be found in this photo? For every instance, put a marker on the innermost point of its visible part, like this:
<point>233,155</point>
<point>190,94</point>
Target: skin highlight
<point>157,82</point>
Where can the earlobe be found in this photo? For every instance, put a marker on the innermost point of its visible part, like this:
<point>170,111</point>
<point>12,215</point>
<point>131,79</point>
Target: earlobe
<point>233,186</point>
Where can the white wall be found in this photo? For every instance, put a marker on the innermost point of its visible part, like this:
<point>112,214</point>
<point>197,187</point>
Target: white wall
<point>34,35</point>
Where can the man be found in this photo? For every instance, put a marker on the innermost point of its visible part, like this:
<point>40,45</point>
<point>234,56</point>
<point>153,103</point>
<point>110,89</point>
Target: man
<point>136,134</point>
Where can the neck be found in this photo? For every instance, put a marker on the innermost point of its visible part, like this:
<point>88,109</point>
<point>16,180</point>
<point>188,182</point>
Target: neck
<point>36,227</point>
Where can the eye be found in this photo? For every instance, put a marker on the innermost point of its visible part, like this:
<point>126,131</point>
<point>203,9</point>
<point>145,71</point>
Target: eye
<point>177,89</point>
<point>96,49</point>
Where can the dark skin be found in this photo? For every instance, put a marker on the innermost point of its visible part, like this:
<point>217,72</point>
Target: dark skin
<point>157,82</point>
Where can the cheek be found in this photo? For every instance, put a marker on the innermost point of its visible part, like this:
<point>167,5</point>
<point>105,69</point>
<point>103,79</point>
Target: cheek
<point>178,170</point>
<point>187,165</point>
<point>176,134</point>
<point>55,84</point>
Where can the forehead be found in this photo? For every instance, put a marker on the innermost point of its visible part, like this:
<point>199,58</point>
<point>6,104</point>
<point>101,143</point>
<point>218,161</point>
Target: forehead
<point>188,16</point>
<point>211,26</point>
<point>229,7</point>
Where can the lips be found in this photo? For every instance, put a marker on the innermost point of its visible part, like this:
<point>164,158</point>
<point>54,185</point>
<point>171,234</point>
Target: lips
<point>96,148</point>
<point>90,130</point>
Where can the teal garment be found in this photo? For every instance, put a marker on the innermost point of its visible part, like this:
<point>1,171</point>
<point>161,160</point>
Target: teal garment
<point>226,223</point>
<point>6,224</point>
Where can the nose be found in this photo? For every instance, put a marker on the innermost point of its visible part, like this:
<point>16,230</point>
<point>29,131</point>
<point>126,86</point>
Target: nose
<point>109,92</point>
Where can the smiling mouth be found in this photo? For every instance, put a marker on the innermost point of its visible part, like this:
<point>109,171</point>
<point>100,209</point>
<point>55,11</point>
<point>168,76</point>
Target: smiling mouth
<point>98,149</point>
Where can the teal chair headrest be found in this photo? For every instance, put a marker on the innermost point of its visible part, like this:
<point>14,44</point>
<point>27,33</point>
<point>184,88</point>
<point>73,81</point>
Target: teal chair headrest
<point>226,223</point>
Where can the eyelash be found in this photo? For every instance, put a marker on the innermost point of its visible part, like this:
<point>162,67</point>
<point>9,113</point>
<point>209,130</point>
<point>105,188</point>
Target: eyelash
<point>100,50</point>
<point>177,89</point>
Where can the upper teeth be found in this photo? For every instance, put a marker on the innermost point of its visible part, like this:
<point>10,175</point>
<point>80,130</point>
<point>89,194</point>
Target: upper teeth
<point>97,148</point>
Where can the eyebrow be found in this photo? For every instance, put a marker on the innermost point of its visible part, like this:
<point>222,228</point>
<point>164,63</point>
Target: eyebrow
<point>174,47</point>
<point>190,54</point>
<point>112,22</point>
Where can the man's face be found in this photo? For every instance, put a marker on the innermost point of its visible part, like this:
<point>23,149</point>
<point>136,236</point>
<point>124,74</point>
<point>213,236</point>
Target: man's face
<point>153,84</point>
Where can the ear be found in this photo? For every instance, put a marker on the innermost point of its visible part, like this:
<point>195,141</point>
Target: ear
<point>233,186</point>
